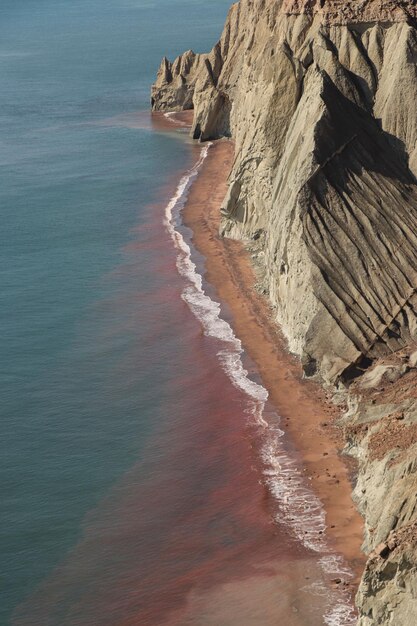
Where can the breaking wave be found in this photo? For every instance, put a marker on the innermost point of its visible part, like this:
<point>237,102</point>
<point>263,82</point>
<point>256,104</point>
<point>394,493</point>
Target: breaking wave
<point>299,508</point>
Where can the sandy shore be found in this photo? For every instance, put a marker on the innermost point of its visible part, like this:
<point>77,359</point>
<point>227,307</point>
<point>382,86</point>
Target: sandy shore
<point>171,121</point>
<point>307,416</point>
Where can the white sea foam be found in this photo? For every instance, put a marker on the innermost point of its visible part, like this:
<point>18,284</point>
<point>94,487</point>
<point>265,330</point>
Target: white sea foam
<point>207,311</point>
<point>342,614</point>
<point>333,564</point>
<point>170,116</point>
<point>299,508</point>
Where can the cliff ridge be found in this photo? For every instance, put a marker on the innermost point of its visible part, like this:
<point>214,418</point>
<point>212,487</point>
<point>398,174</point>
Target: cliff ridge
<point>320,99</point>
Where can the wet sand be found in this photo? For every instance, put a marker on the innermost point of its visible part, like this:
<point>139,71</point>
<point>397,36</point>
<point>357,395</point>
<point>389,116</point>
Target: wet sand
<point>186,536</point>
<point>307,415</point>
<point>190,535</point>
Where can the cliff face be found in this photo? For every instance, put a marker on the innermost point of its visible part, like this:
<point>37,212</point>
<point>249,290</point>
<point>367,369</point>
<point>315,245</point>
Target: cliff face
<point>322,108</point>
<point>320,98</point>
<point>381,432</point>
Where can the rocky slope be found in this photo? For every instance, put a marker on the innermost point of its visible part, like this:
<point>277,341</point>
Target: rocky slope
<point>381,432</point>
<point>320,98</point>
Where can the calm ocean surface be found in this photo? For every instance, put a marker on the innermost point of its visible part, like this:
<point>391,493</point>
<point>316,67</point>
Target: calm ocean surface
<point>83,385</point>
<point>144,478</point>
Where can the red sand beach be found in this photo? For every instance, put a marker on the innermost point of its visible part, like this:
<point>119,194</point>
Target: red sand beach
<point>193,534</point>
<point>302,404</point>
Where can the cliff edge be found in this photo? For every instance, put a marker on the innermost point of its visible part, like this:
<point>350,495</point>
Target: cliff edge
<point>320,99</point>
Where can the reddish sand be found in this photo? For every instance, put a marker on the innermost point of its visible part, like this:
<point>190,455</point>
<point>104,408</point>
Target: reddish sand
<point>159,121</point>
<point>307,415</point>
<point>186,537</point>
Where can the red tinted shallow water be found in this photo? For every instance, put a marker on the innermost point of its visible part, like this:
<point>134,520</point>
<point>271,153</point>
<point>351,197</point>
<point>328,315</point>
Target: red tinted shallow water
<point>187,536</point>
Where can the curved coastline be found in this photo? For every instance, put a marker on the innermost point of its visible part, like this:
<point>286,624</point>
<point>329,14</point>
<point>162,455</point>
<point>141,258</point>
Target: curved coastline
<point>322,518</point>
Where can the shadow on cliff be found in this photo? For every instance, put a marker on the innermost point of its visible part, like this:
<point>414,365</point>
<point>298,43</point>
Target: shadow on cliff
<point>359,220</point>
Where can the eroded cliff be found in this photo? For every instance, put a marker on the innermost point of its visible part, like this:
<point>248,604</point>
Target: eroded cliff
<point>320,99</point>
<point>323,115</point>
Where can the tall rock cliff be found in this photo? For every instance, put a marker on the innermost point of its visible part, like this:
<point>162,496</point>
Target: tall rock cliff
<point>320,97</point>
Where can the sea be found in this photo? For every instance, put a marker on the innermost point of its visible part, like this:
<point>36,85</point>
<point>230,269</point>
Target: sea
<point>145,480</point>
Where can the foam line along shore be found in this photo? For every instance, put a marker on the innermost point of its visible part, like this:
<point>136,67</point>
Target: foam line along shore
<point>300,490</point>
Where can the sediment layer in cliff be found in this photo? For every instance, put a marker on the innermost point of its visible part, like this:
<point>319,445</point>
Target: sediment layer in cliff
<point>380,428</point>
<point>353,11</point>
<point>320,98</point>
<point>323,115</point>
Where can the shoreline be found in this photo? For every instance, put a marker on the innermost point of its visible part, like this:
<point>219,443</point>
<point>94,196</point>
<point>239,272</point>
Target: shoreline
<point>230,271</point>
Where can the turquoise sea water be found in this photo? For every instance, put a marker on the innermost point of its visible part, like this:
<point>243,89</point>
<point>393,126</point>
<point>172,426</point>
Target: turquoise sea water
<point>144,476</point>
<point>87,349</point>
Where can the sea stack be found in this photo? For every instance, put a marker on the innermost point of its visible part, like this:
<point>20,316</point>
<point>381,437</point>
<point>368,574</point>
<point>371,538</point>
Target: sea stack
<point>320,98</point>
